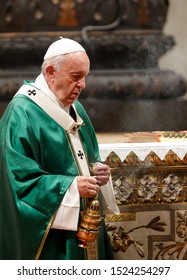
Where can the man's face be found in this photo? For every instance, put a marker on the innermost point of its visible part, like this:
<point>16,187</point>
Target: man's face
<point>67,82</point>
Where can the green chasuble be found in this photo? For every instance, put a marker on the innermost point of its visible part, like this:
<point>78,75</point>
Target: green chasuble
<point>36,169</point>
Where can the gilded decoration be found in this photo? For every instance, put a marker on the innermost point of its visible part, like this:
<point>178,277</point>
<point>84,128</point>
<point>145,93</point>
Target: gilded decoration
<point>173,250</point>
<point>68,14</point>
<point>152,196</point>
<point>149,181</point>
<point>122,240</point>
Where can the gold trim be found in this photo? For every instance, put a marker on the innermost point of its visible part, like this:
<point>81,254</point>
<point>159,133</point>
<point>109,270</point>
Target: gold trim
<point>92,251</point>
<point>44,238</point>
<point>122,217</point>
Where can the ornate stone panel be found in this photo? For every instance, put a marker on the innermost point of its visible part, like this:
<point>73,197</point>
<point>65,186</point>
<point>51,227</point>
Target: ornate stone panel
<point>152,197</point>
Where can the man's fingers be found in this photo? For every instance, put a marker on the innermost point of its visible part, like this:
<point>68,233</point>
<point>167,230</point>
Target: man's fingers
<point>88,186</point>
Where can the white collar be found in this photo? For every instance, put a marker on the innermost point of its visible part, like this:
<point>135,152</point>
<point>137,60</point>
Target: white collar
<point>41,84</point>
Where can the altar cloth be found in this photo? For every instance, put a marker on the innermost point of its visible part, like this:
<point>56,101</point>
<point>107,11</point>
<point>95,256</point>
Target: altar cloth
<point>142,150</point>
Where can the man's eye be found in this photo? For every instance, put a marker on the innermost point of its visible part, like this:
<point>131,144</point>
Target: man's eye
<point>76,77</point>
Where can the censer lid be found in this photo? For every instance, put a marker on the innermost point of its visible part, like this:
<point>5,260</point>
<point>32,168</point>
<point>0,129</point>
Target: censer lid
<point>93,208</point>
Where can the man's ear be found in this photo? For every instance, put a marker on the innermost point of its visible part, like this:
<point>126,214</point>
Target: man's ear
<point>50,71</point>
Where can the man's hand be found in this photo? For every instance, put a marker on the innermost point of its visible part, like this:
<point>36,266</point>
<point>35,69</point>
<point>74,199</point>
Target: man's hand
<point>87,186</point>
<point>101,173</point>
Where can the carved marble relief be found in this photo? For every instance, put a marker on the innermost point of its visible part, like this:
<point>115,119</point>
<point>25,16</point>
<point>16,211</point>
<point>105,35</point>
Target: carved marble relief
<point>152,196</point>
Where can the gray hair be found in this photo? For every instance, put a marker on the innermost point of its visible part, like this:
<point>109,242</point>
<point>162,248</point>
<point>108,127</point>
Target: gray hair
<point>56,62</point>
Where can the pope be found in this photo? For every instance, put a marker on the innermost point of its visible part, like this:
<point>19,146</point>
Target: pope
<point>47,145</point>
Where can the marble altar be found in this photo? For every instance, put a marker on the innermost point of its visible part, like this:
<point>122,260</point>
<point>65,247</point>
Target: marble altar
<point>150,185</point>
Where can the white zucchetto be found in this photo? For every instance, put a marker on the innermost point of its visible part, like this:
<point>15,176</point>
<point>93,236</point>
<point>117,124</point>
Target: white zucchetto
<point>63,46</point>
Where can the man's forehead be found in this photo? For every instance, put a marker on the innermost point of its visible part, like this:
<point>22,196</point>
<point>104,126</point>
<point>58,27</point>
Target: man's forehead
<point>76,62</point>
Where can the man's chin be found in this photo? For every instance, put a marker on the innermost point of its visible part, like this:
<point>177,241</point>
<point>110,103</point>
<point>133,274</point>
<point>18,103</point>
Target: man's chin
<point>74,99</point>
<point>71,101</point>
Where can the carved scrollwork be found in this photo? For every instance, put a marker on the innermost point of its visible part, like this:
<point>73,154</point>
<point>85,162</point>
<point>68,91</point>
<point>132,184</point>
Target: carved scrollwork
<point>149,181</point>
<point>181,229</point>
<point>157,187</point>
<point>175,249</point>
<point>121,239</point>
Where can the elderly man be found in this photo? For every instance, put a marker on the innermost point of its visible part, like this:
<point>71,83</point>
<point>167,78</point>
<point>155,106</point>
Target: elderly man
<point>47,144</point>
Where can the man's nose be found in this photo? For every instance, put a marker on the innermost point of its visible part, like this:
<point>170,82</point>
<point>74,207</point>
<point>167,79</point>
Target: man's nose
<point>82,83</point>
